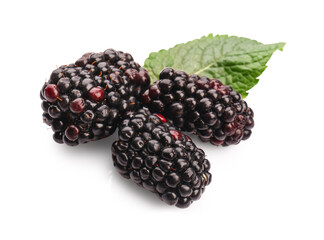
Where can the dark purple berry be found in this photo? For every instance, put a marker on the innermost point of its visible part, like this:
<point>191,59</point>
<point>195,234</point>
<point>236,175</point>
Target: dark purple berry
<point>201,105</point>
<point>167,164</point>
<point>93,94</point>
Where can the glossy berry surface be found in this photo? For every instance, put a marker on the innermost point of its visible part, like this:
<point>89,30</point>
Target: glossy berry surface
<point>155,155</point>
<point>51,93</point>
<point>77,105</point>
<point>96,94</point>
<point>86,100</point>
<point>203,106</point>
<point>72,132</point>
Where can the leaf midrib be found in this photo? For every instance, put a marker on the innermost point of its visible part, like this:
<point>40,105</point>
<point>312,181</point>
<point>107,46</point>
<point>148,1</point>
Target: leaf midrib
<point>231,55</point>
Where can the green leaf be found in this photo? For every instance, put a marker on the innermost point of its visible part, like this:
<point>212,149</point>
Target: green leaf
<point>234,60</point>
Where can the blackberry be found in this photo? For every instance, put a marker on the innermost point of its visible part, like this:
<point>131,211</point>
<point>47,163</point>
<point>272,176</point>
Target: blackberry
<point>203,106</point>
<point>84,101</point>
<point>156,156</point>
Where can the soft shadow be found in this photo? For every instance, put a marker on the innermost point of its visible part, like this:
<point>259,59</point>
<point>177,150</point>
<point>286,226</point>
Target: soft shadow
<point>101,151</point>
<point>138,191</point>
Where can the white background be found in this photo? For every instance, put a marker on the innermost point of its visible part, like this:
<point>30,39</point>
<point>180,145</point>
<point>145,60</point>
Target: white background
<point>269,187</point>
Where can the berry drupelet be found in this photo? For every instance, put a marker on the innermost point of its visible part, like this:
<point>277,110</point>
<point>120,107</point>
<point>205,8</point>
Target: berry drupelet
<point>84,101</point>
<point>156,156</point>
<point>203,106</point>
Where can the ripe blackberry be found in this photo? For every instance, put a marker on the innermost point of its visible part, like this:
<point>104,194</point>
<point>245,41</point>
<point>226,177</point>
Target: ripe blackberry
<point>203,106</point>
<point>159,158</point>
<point>85,101</point>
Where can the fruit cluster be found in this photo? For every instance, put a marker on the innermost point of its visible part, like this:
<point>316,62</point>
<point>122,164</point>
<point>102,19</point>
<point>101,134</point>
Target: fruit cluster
<point>206,107</point>
<point>100,92</point>
<point>84,101</point>
<point>164,161</point>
